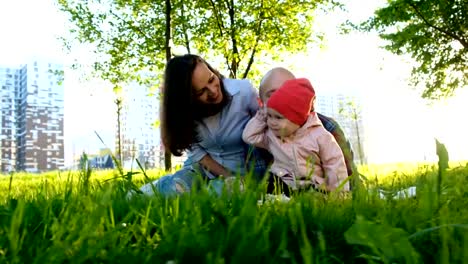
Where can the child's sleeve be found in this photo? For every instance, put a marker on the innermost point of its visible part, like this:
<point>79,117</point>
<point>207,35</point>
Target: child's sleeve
<point>255,131</point>
<point>253,101</point>
<point>333,162</point>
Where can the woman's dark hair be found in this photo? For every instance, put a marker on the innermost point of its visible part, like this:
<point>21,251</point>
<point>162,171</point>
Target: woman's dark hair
<point>180,109</point>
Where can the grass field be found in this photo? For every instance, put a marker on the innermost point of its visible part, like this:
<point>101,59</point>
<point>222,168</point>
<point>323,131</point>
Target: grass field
<point>84,217</point>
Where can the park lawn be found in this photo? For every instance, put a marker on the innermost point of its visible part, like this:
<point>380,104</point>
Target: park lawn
<point>85,217</point>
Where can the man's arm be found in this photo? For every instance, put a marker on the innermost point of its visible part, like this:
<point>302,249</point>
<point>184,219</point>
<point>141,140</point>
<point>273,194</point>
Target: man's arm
<point>334,128</point>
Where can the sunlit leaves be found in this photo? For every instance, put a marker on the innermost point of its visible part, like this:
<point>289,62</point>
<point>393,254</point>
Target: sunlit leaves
<point>129,36</point>
<point>253,29</point>
<point>434,33</point>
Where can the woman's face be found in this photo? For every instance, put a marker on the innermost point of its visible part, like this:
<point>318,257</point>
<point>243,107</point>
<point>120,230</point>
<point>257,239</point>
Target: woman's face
<point>206,85</point>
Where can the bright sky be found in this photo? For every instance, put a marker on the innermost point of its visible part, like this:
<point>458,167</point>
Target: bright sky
<point>29,28</point>
<point>399,125</point>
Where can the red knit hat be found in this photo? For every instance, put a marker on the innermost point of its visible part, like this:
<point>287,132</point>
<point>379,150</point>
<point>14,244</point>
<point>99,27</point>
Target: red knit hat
<point>293,100</point>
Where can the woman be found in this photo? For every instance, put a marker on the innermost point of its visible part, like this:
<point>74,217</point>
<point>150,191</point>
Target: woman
<point>204,113</point>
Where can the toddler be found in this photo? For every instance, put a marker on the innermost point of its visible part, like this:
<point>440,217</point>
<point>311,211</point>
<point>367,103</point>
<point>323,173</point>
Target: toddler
<point>305,154</point>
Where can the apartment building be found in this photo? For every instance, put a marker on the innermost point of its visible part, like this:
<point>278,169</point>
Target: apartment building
<point>31,117</point>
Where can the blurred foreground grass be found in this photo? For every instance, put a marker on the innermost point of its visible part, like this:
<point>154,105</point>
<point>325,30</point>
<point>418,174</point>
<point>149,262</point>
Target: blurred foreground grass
<point>84,217</point>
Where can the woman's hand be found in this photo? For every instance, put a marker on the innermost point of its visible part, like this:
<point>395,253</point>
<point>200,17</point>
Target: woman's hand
<point>208,163</point>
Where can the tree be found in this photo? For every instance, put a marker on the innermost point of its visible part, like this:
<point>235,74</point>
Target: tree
<point>133,39</point>
<point>128,37</point>
<point>434,33</point>
<point>242,31</point>
<point>350,110</point>
<point>118,103</point>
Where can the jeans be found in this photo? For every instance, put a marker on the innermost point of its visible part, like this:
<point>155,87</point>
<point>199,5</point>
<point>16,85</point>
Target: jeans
<point>183,180</point>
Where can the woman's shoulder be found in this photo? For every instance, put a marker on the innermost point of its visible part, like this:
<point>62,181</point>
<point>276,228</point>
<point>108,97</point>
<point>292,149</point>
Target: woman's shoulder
<point>241,86</point>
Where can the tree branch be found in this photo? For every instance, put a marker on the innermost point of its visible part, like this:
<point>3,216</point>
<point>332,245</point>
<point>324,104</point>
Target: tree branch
<point>251,59</point>
<point>218,21</point>
<point>221,27</point>
<point>186,39</point>
<point>235,51</point>
<point>228,65</point>
<point>448,33</point>
<point>254,50</point>
<point>168,30</point>
<point>143,34</point>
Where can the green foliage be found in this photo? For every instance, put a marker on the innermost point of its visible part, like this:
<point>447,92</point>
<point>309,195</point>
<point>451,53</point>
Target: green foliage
<point>443,164</point>
<point>241,32</point>
<point>443,155</point>
<point>349,109</point>
<point>56,218</point>
<point>391,245</point>
<point>434,33</point>
<point>129,37</point>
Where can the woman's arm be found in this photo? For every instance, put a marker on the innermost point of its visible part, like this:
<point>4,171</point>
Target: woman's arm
<point>255,131</point>
<point>214,167</point>
<point>199,155</point>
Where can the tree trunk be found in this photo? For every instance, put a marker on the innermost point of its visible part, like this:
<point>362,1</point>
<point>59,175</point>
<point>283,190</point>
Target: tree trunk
<point>118,102</point>
<point>235,51</point>
<point>186,38</point>
<point>356,123</point>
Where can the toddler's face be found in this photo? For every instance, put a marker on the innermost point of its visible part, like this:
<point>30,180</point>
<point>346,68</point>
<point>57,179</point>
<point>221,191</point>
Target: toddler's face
<point>280,125</point>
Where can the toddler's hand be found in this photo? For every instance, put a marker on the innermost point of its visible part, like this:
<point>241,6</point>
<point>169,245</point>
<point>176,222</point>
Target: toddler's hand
<point>261,114</point>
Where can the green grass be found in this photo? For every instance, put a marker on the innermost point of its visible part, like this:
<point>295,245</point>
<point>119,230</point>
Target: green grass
<point>84,217</point>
